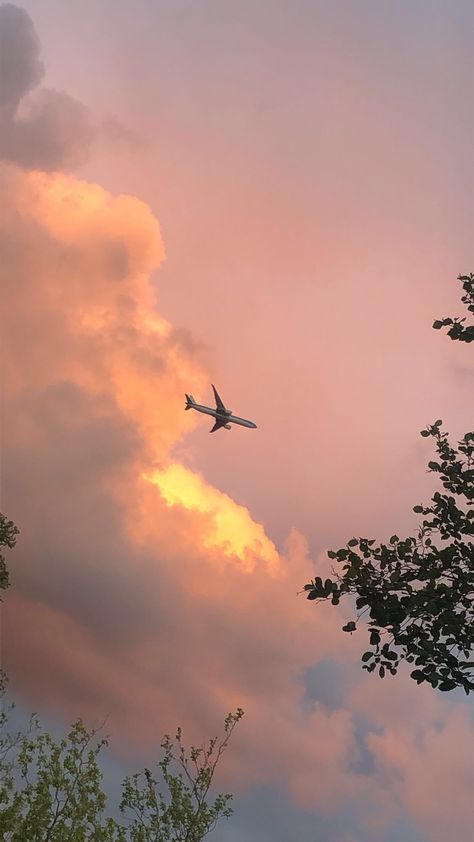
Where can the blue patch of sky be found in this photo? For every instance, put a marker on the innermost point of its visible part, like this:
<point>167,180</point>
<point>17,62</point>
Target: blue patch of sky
<point>327,683</point>
<point>405,831</point>
<point>268,815</point>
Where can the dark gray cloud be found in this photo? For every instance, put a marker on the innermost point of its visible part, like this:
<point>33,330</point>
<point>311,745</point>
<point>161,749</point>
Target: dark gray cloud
<point>79,443</point>
<point>20,67</point>
<point>44,129</point>
<point>54,132</point>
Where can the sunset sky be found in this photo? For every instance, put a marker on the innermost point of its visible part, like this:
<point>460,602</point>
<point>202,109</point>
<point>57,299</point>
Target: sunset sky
<point>275,197</point>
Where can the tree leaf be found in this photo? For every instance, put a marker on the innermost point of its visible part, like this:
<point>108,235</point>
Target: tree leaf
<point>349,627</point>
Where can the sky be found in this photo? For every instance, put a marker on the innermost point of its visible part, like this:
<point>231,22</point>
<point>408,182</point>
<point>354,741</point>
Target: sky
<point>275,197</point>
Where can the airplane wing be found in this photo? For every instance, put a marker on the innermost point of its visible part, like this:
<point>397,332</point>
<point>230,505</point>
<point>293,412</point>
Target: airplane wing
<point>219,405</point>
<point>220,422</point>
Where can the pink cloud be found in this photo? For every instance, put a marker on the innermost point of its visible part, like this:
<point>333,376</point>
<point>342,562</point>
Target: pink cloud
<point>422,747</point>
<point>432,772</point>
<point>140,589</point>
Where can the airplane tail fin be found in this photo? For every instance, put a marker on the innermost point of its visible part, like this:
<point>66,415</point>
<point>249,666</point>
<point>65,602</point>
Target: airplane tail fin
<point>189,401</point>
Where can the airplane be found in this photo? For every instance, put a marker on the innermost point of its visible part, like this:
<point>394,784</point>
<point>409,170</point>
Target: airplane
<point>223,416</point>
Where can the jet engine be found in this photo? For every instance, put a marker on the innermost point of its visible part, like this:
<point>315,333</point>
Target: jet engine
<point>228,427</point>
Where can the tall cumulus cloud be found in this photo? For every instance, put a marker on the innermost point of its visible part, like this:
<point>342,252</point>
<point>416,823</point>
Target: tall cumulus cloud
<point>138,587</point>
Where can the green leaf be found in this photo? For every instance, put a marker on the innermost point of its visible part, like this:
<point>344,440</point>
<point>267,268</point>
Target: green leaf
<point>353,542</point>
<point>381,672</point>
<point>425,433</point>
<point>312,595</point>
<point>367,656</point>
<point>374,637</point>
<point>447,684</point>
<point>349,627</point>
<point>418,676</point>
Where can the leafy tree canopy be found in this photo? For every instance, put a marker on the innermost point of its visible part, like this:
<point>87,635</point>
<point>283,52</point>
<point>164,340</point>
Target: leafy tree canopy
<point>8,533</point>
<point>51,791</point>
<point>417,592</point>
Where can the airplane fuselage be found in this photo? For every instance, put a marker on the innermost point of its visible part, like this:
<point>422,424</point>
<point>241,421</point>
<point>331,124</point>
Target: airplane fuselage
<point>229,419</point>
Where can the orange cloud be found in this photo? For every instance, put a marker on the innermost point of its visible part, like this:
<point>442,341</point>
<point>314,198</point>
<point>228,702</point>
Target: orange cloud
<point>128,558</point>
<point>85,277</point>
<point>231,528</point>
<point>155,597</point>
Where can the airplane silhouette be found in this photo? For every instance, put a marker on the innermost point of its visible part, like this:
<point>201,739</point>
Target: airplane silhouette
<point>223,416</point>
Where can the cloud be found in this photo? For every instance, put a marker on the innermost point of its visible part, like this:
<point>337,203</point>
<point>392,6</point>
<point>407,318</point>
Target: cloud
<point>52,132</point>
<point>432,772</point>
<point>132,571</point>
<point>21,68</point>
<point>39,129</point>
<point>421,748</point>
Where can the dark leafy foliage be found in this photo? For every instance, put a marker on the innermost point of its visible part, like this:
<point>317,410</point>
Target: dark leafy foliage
<point>457,329</point>
<point>417,592</point>
<point>8,533</point>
